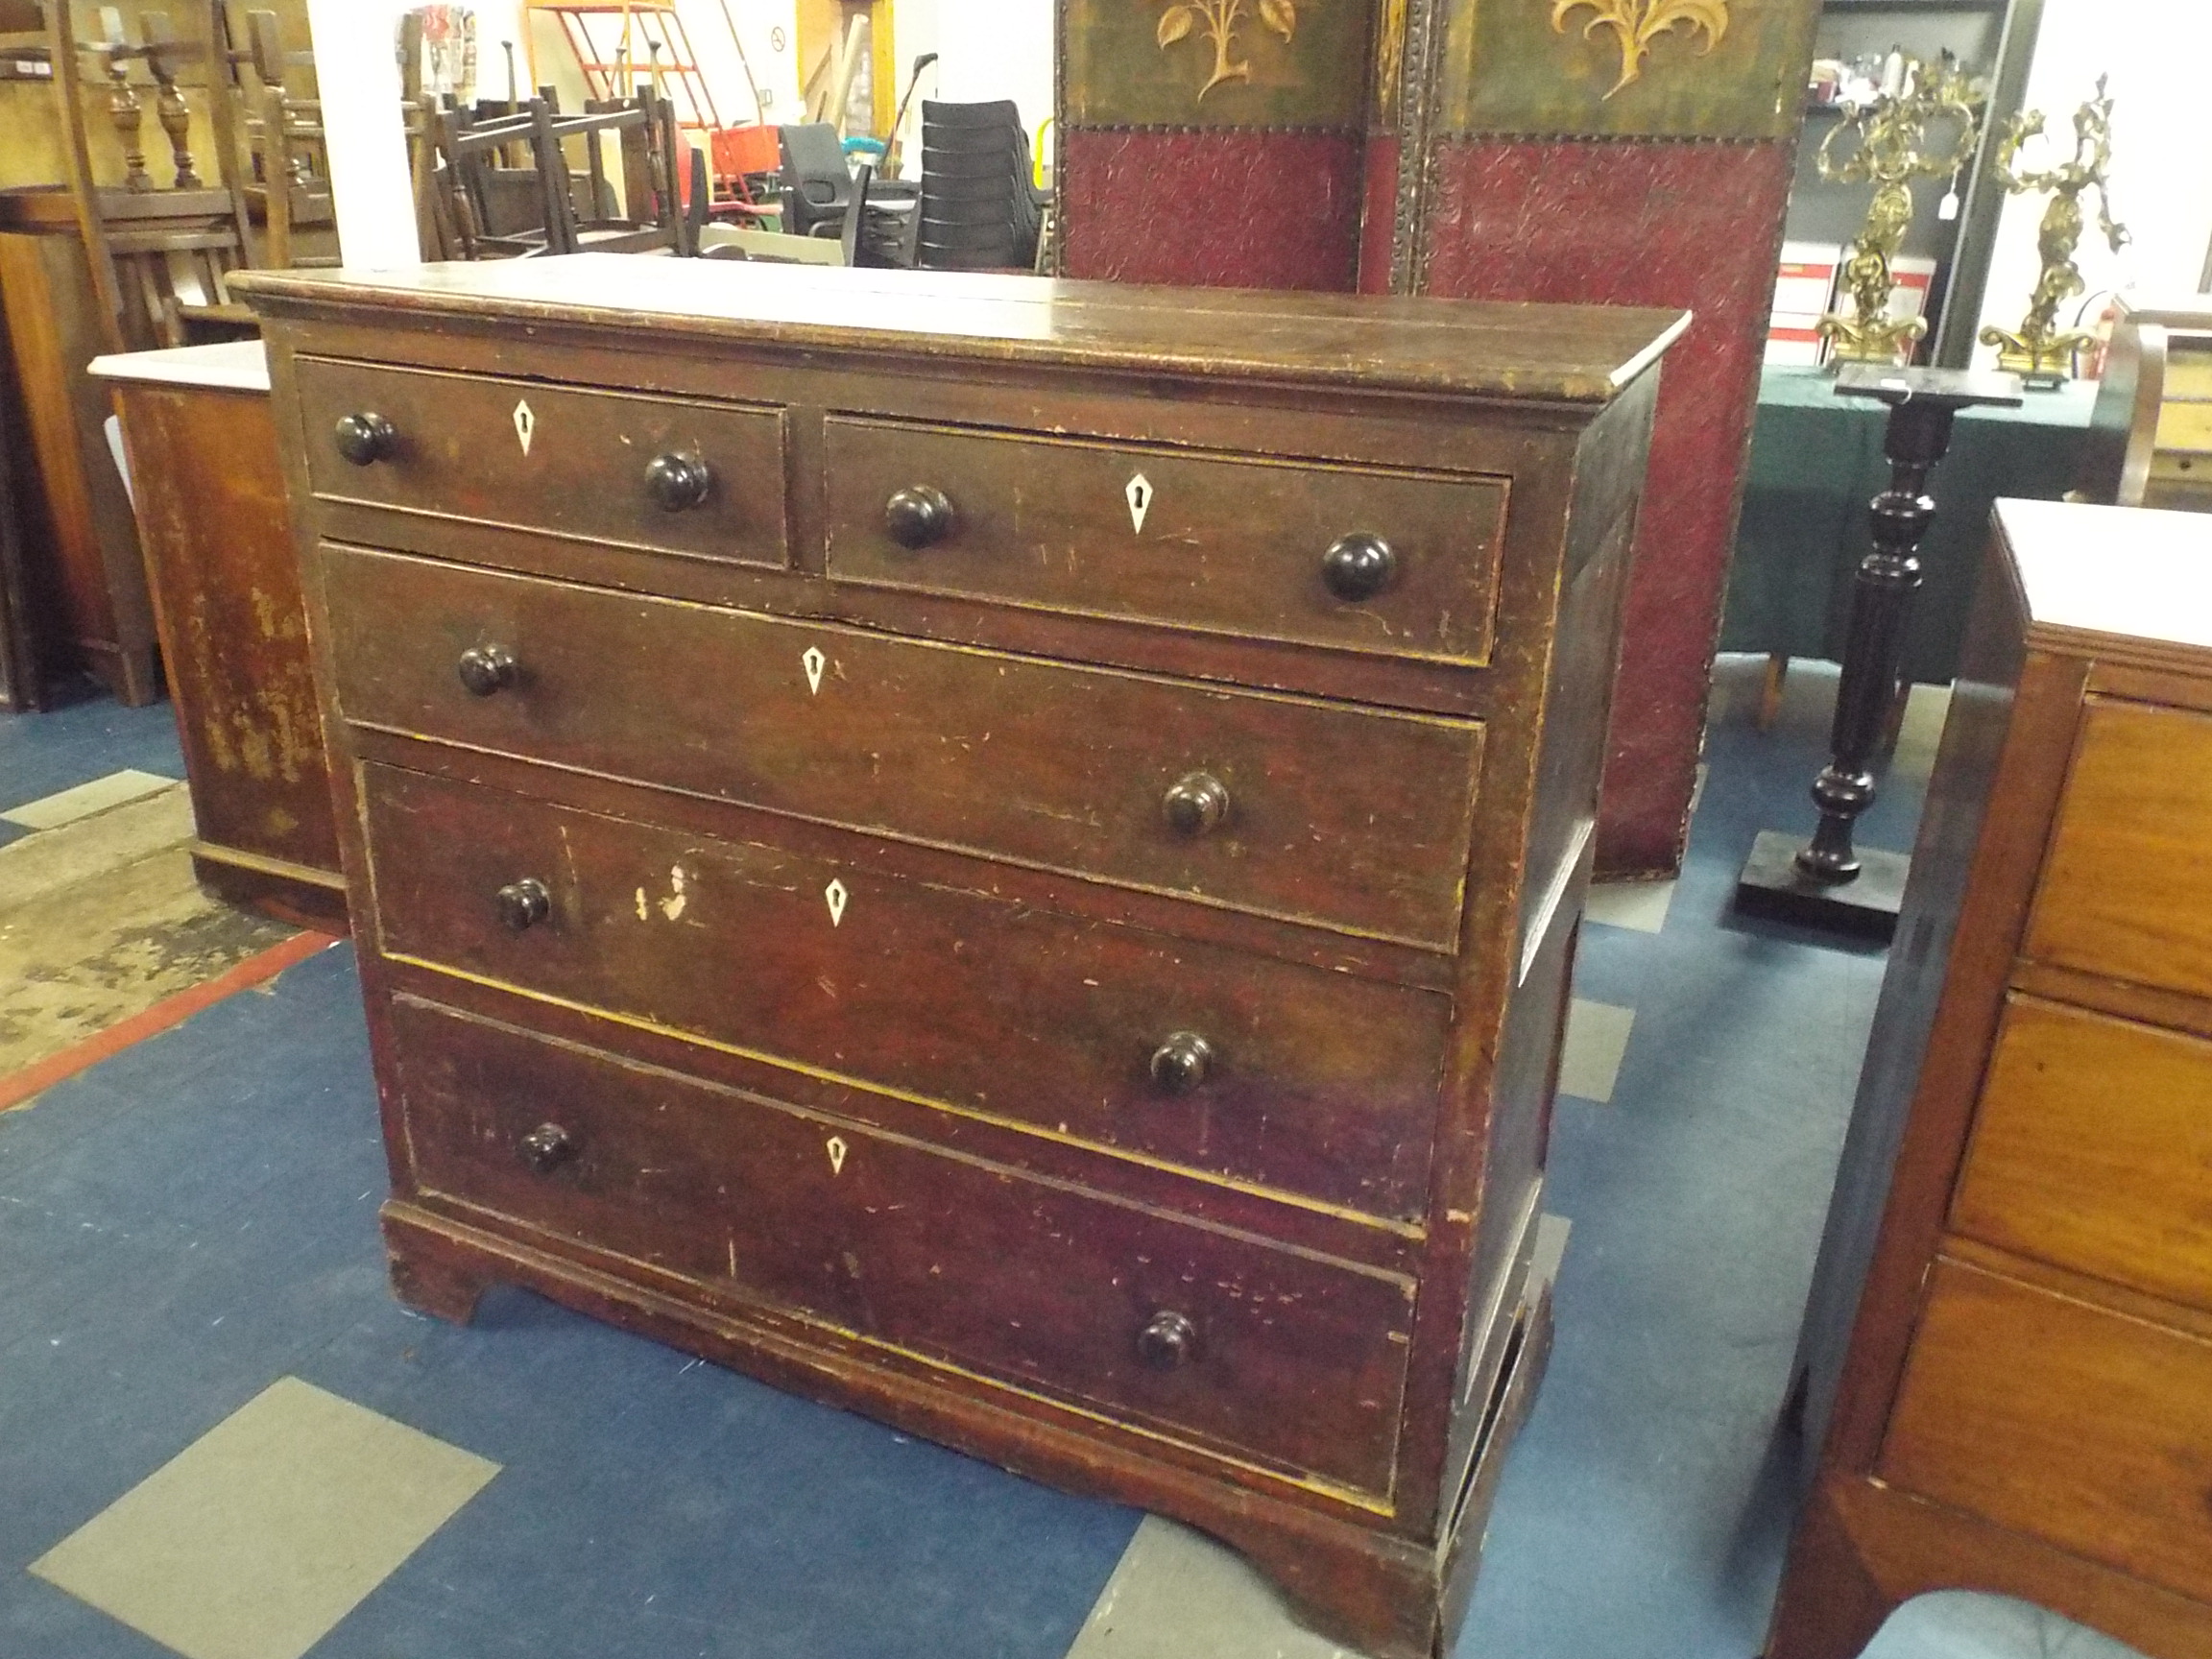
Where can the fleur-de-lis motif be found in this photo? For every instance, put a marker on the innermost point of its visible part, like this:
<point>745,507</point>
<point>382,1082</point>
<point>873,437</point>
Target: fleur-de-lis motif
<point>1216,22</point>
<point>1637,23</point>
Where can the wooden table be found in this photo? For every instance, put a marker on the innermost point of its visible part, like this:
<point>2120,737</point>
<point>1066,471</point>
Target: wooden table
<point>226,597</point>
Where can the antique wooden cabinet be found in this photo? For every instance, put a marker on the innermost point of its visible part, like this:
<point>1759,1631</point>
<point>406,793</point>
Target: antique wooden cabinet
<point>2022,1228</point>
<point>1003,854</point>
<point>226,590</point>
<point>80,541</point>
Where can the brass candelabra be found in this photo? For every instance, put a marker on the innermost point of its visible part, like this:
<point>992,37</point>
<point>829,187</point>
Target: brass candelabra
<point>1892,149</point>
<point>2039,351</point>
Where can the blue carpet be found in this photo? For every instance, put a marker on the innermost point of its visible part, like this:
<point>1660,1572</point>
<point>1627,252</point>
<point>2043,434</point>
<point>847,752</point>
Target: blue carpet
<point>197,1218</point>
<point>1644,1510</point>
<point>42,755</point>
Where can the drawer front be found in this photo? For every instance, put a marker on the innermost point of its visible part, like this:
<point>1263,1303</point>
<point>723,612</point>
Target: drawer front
<point>1264,1354</point>
<point>1299,1079</point>
<point>1166,537</point>
<point>2092,1148</point>
<point>2061,1420</point>
<point>1348,817</point>
<point>564,460</point>
<point>2126,891</point>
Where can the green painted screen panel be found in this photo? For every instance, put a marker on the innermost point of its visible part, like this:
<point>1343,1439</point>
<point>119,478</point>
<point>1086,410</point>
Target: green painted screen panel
<point>1119,73</point>
<point>1546,69</point>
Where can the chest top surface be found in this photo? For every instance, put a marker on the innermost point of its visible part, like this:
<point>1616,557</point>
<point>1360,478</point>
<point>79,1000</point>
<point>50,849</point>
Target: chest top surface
<point>1554,354</point>
<point>2123,575</point>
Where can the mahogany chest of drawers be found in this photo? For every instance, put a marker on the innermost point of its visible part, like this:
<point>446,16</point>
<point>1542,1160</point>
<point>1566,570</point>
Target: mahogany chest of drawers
<point>1002,853</point>
<point>2020,1252</point>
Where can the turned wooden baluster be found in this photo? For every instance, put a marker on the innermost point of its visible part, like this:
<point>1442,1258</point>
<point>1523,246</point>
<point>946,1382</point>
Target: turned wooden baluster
<point>123,106</point>
<point>162,56</point>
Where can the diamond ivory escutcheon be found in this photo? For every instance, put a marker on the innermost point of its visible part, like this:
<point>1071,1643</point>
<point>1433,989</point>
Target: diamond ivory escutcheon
<point>1139,493</point>
<point>525,424</point>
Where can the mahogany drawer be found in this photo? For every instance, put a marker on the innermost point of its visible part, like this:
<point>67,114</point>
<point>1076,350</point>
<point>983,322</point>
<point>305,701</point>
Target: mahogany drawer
<point>1192,1332</point>
<point>1353,818</point>
<point>566,461</point>
<point>1301,1079</point>
<point>1215,544</point>
<point>2127,890</point>
<point>2091,1149</point>
<point>2057,1418</point>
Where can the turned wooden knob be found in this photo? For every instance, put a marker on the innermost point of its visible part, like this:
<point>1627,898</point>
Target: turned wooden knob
<point>917,516</point>
<point>523,904</point>
<point>1358,567</point>
<point>1181,1064</point>
<point>1169,1341</point>
<point>547,1147</point>
<point>1195,804</point>
<point>485,670</point>
<point>366,438</point>
<point>678,482</point>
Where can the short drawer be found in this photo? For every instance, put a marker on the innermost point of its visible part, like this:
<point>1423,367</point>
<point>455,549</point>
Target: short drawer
<point>1352,818</point>
<point>1201,1334</point>
<point>1390,563</point>
<point>673,474</point>
<point>2059,1419</point>
<point>2126,891</point>
<point>1247,1068</point>
<point>2092,1148</point>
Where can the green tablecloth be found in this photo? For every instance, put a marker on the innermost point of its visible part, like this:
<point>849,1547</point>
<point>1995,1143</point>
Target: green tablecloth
<point>1815,463</point>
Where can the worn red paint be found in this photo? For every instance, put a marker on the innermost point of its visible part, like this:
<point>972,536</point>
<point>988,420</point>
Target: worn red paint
<point>1690,224</point>
<point>1215,208</point>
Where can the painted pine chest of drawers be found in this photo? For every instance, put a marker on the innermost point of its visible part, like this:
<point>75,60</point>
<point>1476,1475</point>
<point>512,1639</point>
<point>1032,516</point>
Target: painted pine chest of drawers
<point>1005,854</point>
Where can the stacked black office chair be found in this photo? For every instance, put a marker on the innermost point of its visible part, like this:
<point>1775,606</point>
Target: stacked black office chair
<point>823,196</point>
<point>979,210</point>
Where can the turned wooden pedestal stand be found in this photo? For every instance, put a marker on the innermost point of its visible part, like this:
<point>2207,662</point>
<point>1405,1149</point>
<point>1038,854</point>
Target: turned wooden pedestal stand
<point>1827,883</point>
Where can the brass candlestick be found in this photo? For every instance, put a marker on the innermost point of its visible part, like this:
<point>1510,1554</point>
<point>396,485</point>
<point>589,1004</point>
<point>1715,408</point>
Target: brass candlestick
<point>2038,349</point>
<point>1893,135</point>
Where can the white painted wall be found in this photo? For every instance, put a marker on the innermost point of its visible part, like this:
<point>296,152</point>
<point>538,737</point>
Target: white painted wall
<point>368,145</point>
<point>1003,49</point>
<point>2156,52</point>
<point>360,104</point>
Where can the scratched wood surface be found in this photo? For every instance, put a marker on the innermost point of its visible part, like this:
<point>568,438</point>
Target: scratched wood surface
<point>950,747</point>
<point>1076,971</point>
<point>1213,555</point>
<point>1315,1084</point>
<point>1301,1362</point>
<point>233,628</point>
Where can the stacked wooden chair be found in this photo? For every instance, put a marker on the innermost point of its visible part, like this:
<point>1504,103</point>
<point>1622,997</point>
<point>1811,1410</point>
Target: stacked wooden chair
<point>160,248</point>
<point>275,133</point>
<point>473,206</point>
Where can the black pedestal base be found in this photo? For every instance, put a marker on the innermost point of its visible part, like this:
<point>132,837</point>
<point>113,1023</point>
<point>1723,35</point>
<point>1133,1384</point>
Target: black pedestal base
<point>1771,886</point>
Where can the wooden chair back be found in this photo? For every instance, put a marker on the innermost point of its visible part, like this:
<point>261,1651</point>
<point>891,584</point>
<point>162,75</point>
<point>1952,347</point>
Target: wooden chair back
<point>273,131</point>
<point>159,254</point>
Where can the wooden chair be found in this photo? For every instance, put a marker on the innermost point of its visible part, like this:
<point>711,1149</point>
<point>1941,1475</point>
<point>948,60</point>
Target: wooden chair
<point>159,255</point>
<point>275,135</point>
<point>469,201</point>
